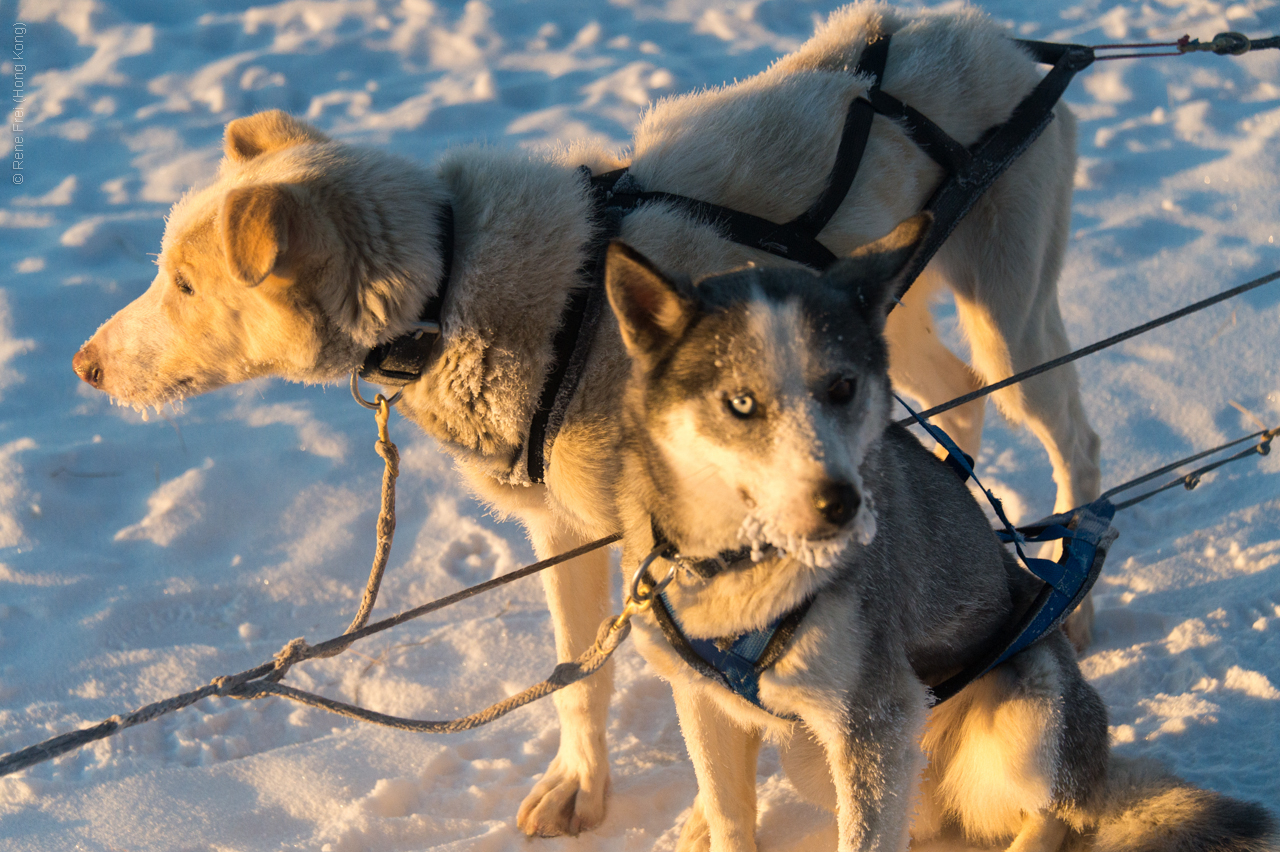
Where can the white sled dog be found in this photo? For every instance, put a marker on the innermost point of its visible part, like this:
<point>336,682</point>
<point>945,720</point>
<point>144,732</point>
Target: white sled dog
<point>759,409</point>
<point>305,253</point>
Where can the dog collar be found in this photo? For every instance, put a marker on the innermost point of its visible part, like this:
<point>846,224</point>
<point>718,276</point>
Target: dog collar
<point>401,361</point>
<point>723,561</point>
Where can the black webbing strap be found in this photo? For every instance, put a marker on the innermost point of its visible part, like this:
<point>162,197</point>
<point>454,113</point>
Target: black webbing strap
<point>853,143</point>
<point>930,138</point>
<point>401,361</point>
<point>998,150</point>
<point>714,659</point>
<point>970,173</point>
<point>572,344</point>
<point>798,239</point>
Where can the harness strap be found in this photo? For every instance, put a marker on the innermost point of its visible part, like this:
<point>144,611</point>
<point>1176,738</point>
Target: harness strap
<point>571,345</point>
<point>401,361</point>
<point>853,143</point>
<point>735,662</point>
<point>1085,533</point>
<point>932,139</point>
<point>999,149</point>
<point>796,240</point>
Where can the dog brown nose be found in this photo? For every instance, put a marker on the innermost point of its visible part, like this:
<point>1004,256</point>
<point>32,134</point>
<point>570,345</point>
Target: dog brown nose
<point>86,365</point>
<point>837,502</point>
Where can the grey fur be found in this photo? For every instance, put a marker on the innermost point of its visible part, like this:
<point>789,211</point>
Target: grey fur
<point>354,246</point>
<point>1019,755</point>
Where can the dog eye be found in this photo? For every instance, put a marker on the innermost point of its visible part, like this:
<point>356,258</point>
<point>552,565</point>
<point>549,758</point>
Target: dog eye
<point>840,392</point>
<point>180,281</point>
<point>742,406</point>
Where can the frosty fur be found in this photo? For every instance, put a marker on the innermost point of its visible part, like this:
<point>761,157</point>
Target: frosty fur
<point>1019,758</point>
<point>304,252</point>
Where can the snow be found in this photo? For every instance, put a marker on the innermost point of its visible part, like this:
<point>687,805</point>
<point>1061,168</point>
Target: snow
<point>141,559</point>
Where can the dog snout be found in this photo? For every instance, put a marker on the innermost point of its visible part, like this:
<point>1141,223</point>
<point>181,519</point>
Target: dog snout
<point>837,502</point>
<point>88,366</point>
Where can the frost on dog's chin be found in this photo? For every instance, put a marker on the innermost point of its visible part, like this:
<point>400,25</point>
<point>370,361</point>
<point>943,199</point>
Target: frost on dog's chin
<point>144,408</point>
<point>761,534</point>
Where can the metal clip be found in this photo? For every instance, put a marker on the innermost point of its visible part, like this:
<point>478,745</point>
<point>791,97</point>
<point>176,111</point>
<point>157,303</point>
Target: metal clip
<point>375,405</point>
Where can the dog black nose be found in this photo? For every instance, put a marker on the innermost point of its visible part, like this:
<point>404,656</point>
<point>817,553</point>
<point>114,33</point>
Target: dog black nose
<point>837,502</point>
<point>87,367</point>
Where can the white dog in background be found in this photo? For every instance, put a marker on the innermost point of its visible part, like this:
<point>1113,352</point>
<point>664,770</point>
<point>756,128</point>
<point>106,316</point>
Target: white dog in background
<point>305,253</point>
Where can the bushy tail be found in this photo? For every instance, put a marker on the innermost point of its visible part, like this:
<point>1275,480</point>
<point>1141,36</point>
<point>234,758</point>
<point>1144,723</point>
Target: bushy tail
<point>1146,809</point>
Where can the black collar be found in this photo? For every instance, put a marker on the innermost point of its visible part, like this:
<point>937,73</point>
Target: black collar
<point>401,361</point>
<point>725,560</point>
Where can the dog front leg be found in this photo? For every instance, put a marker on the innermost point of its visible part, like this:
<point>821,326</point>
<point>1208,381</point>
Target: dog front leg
<point>873,751</point>
<point>570,797</point>
<point>724,759</point>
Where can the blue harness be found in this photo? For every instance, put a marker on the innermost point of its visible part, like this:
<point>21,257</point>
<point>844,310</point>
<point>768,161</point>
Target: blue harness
<point>736,662</point>
<point>1085,533</point>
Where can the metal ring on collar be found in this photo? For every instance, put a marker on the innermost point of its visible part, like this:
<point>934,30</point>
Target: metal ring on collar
<point>372,406</point>
<point>641,572</point>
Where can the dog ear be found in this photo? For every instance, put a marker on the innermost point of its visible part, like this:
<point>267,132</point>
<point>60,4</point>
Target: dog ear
<point>255,135</point>
<point>872,273</point>
<point>255,223</point>
<point>650,311</point>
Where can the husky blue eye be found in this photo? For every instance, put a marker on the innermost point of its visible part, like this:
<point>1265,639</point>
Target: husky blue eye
<point>180,281</point>
<point>840,392</point>
<point>743,405</point>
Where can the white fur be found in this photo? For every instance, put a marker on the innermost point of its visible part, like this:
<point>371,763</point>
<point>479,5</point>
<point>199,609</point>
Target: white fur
<point>362,261</point>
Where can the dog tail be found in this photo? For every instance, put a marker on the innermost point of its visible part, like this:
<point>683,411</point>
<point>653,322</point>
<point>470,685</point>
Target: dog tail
<point>1146,809</point>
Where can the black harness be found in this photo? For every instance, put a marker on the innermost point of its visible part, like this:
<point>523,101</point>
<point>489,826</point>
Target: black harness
<point>969,172</point>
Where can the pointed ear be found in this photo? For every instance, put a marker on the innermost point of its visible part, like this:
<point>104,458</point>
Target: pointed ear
<point>265,132</point>
<point>873,272</point>
<point>650,311</point>
<point>256,222</point>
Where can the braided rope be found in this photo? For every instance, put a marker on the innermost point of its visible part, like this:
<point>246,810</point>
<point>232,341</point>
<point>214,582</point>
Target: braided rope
<point>264,680</point>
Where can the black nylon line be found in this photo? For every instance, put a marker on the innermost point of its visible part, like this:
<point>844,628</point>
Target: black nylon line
<point>744,228</point>
<point>853,144</point>
<point>431,311</point>
<point>1094,347</point>
<point>402,360</point>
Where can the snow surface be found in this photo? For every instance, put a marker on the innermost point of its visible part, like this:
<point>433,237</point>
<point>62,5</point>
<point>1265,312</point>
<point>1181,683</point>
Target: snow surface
<point>140,559</point>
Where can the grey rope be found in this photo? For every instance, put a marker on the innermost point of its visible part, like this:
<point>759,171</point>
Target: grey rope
<point>1263,447</point>
<point>612,632</point>
<point>1094,347</point>
<point>1190,480</point>
<point>294,652</point>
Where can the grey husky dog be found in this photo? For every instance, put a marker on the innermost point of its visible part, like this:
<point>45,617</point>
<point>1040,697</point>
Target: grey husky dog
<point>758,412</point>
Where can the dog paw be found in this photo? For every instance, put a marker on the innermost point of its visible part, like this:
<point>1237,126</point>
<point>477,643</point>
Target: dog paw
<point>695,836</point>
<point>563,802</point>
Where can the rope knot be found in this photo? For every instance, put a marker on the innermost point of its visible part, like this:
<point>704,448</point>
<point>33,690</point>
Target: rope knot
<point>390,454</point>
<point>295,651</point>
<point>226,684</point>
